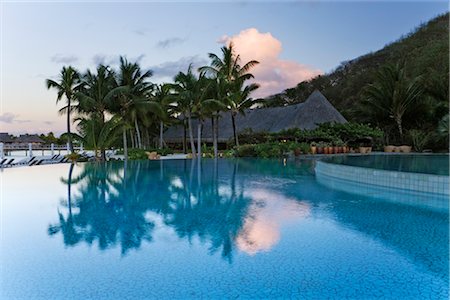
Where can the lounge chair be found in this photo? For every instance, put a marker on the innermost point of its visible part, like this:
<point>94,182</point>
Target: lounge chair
<point>8,164</point>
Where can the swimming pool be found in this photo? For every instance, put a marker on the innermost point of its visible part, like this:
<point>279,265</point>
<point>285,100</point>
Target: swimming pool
<point>416,173</point>
<point>214,229</point>
<point>437,164</point>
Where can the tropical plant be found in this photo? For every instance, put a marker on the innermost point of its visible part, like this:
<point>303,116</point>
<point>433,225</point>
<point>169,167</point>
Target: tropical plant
<point>419,139</point>
<point>229,70</point>
<point>132,99</point>
<point>98,134</point>
<point>391,96</point>
<point>190,96</point>
<point>67,86</point>
<point>164,97</point>
<point>96,92</point>
<point>239,101</point>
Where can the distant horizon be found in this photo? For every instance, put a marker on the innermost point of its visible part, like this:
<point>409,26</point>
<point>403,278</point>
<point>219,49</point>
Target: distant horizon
<point>293,41</point>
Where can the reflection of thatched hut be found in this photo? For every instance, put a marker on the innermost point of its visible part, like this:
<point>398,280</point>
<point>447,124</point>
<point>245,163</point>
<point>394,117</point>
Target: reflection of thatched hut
<point>307,115</point>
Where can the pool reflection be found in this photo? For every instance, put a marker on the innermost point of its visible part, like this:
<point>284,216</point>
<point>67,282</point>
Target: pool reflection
<point>112,204</point>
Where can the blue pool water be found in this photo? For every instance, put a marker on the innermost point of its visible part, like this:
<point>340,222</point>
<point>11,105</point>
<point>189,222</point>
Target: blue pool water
<point>226,229</point>
<point>437,164</point>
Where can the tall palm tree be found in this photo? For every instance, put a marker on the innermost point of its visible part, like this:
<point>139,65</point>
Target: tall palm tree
<point>132,90</point>
<point>239,101</point>
<point>67,86</point>
<point>391,96</point>
<point>186,88</point>
<point>229,70</point>
<point>164,97</point>
<point>94,97</point>
<point>96,92</point>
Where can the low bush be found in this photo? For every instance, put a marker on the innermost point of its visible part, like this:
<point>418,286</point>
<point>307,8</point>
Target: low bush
<point>246,151</point>
<point>136,154</point>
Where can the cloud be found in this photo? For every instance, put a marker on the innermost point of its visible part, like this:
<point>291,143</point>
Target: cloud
<point>170,42</point>
<point>64,59</point>
<point>49,122</point>
<point>141,31</point>
<point>171,68</point>
<point>11,118</point>
<point>113,60</point>
<point>272,73</point>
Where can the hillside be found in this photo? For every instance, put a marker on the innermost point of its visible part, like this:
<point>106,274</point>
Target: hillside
<point>425,51</point>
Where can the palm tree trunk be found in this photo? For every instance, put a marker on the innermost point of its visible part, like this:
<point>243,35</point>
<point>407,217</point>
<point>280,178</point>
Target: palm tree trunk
<point>191,136</point>
<point>69,136</point>
<point>138,134</point>
<point>147,135</point>
<point>161,132</point>
<point>184,137</point>
<point>217,131</point>
<point>132,138</point>
<point>199,138</point>
<point>213,128</point>
<point>125,147</point>
<point>103,154</point>
<point>398,120</point>
<point>233,120</point>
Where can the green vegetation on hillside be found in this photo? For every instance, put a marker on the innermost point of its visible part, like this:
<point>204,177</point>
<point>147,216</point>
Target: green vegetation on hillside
<point>422,55</point>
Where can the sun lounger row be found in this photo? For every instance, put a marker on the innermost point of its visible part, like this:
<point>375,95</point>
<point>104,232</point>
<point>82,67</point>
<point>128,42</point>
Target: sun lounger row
<point>32,161</point>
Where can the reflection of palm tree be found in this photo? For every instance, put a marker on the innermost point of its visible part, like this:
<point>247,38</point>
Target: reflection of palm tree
<point>113,205</point>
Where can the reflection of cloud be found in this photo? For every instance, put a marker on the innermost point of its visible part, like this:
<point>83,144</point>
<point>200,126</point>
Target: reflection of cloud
<point>273,73</point>
<point>11,118</point>
<point>170,42</point>
<point>261,230</point>
<point>176,182</point>
<point>65,59</point>
<point>171,68</point>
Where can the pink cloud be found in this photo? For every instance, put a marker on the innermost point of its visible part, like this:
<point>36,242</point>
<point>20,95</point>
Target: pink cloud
<point>273,74</point>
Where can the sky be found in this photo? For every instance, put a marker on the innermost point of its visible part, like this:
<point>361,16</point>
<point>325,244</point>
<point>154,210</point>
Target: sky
<point>293,41</point>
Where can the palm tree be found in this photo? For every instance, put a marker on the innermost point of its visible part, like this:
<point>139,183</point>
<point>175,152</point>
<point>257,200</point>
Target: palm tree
<point>67,86</point>
<point>229,70</point>
<point>132,91</point>
<point>163,96</point>
<point>96,92</point>
<point>391,96</point>
<point>239,101</point>
<point>95,96</point>
<point>186,88</point>
<point>99,134</point>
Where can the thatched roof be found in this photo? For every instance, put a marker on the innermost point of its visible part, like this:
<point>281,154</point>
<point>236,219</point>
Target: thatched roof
<point>5,138</point>
<point>307,115</point>
<point>29,138</point>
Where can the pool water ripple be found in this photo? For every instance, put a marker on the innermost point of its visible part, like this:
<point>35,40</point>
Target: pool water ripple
<point>213,229</point>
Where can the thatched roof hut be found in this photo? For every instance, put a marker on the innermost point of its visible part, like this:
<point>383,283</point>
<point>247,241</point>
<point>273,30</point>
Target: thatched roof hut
<point>29,138</point>
<point>5,138</point>
<point>306,115</point>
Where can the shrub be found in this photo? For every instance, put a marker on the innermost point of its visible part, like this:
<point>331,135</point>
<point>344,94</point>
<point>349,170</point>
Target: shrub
<point>419,139</point>
<point>136,154</point>
<point>245,151</point>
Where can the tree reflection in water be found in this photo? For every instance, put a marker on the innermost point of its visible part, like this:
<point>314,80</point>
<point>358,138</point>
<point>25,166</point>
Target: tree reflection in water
<point>115,204</point>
